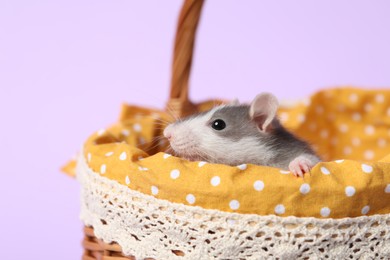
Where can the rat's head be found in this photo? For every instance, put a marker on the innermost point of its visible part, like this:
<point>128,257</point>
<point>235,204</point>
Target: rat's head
<point>225,134</point>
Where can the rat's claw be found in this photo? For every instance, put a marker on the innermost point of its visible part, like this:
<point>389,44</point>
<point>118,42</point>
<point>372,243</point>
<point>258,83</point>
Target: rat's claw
<point>299,166</point>
<point>295,169</point>
<point>304,167</point>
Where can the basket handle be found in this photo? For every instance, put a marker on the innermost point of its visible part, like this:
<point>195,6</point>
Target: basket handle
<point>179,104</point>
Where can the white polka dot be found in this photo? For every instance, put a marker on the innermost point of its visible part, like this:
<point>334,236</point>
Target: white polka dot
<point>369,130</point>
<point>339,161</point>
<point>166,155</point>
<point>301,118</point>
<point>125,132</point>
<point>333,141</point>
<point>365,210</point>
<point>234,204</point>
<point>141,140</point>
<point>388,112</point>
<point>325,212</point>
<point>258,185</point>
<point>154,190</point>
<point>387,189</point>
<point>284,172</point>
<point>369,155</point>
<point>355,141</point>
<point>175,174</point>
<point>367,168</point>
<point>140,158</point>
<point>280,209</point>
<point>324,133</point>
<point>356,116</point>
<point>331,117</point>
<point>283,117</point>
<point>367,107</point>
<point>382,142</point>
<point>380,98</point>
<point>127,180</point>
<point>190,198</point>
<point>215,181</point>
<point>353,97</point>
<point>123,156</point>
<point>325,171</point>
<point>89,156</point>
<point>103,168</point>
<point>305,188</point>
<point>319,109</point>
<point>109,154</point>
<point>347,150</point>
<point>101,132</point>
<point>343,128</point>
<point>137,127</point>
<point>341,107</point>
<point>350,191</point>
<point>312,126</point>
<point>201,164</point>
<point>142,169</point>
<point>242,166</point>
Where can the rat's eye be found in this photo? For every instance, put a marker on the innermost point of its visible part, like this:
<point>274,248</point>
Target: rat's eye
<point>218,124</point>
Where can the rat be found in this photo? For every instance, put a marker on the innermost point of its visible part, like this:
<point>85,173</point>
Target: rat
<point>235,134</point>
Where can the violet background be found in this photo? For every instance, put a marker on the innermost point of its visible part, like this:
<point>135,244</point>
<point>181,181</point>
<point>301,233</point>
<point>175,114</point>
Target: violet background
<point>66,67</point>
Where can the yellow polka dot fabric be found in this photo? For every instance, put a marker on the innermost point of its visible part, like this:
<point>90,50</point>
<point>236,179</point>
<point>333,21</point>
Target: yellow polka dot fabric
<point>344,123</point>
<point>350,129</point>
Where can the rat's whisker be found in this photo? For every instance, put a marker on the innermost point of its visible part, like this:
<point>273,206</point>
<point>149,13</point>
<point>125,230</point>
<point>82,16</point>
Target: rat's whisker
<point>153,147</point>
<point>160,123</point>
<point>208,156</point>
<point>155,141</point>
<point>202,157</point>
<point>170,112</point>
<point>160,120</point>
<point>160,126</point>
<point>147,142</point>
<point>169,150</point>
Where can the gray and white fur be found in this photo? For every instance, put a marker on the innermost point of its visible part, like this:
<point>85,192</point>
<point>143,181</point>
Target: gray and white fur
<point>237,133</point>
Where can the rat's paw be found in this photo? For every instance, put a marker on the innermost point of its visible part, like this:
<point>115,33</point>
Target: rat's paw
<point>300,165</point>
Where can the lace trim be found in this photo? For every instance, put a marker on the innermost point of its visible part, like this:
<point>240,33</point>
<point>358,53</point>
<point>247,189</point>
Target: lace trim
<point>148,227</point>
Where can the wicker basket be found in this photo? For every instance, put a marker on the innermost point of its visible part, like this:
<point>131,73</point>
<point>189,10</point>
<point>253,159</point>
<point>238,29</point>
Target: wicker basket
<point>95,248</point>
<point>259,237</point>
<point>178,104</point>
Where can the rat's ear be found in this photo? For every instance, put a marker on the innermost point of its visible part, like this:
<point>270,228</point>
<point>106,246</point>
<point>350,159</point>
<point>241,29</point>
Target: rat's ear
<point>263,110</point>
<point>234,102</point>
